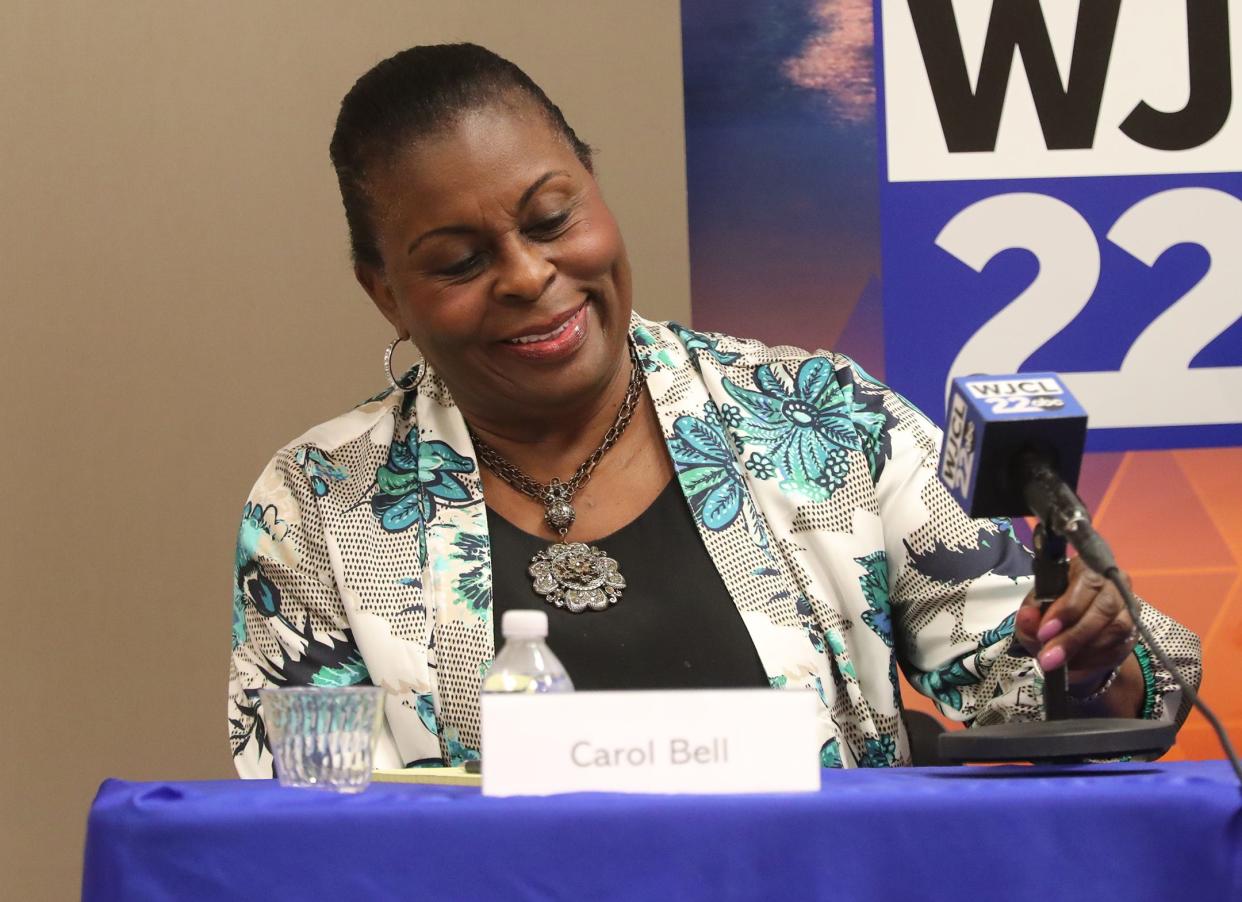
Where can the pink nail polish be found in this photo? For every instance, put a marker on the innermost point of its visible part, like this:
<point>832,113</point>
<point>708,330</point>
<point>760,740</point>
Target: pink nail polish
<point>1048,630</point>
<point>1051,659</point>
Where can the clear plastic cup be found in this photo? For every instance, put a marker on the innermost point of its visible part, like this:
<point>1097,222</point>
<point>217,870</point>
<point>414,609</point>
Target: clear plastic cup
<point>323,738</point>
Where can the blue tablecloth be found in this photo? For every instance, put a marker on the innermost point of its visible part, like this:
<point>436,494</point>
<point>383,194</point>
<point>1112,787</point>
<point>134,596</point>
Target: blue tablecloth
<point>1126,832</point>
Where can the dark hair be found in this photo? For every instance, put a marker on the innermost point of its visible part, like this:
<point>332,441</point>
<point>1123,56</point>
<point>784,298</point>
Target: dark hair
<point>414,94</point>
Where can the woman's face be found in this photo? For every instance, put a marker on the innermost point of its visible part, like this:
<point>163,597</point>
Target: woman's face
<point>503,264</point>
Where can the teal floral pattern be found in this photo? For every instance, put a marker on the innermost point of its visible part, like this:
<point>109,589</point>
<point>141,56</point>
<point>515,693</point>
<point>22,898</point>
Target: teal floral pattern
<point>836,644</point>
<point>418,478</point>
<point>806,617</point>
<point>319,469</point>
<point>879,751</point>
<point>708,472</point>
<point>239,618</point>
<point>803,425</point>
<point>458,752</point>
<point>874,583</point>
<point>350,672</point>
<point>817,684</point>
<point>1005,527</point>
<point>830,754</point>
<point>696,342</point>
<point>1001,631</point>
<point>261,525</point>
<point>424,704</point>
<point>651,355</point>
<point>945,683</point>
<point>760,466</point>
<point>871,418</point>
<point>329,659</point>
<point>473,584</point>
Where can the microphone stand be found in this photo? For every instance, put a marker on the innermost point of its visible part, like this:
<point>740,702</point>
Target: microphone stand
<point>1064,736</point>
<point>1051,581</point>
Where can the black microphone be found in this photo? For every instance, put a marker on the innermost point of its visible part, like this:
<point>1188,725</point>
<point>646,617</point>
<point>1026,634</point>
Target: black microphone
<point>1013,446</point>
<point>1060,509</point>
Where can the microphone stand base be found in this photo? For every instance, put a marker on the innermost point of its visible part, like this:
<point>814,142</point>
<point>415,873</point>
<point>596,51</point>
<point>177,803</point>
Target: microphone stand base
<point>1058,741</point>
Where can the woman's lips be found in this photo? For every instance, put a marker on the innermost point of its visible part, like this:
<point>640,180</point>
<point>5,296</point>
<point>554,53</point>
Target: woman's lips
<point>555,345</point>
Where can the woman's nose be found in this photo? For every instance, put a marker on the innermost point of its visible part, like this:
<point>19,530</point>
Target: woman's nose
<point>524,272</point>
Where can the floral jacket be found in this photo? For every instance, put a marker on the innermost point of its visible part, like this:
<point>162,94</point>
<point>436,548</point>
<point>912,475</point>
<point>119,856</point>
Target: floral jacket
<point>363,556</point>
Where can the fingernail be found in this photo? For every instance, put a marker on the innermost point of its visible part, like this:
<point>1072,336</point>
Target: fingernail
<point>1048,630</point>
<point>1052,658</point>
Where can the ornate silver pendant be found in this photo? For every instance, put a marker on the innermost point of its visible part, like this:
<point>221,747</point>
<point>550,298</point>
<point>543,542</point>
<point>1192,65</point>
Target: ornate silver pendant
<point>560,515</point>
<point>577,577</point>
<point>558,512</point>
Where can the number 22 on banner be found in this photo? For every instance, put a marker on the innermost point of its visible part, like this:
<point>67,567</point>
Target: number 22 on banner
<point>1155,385</point>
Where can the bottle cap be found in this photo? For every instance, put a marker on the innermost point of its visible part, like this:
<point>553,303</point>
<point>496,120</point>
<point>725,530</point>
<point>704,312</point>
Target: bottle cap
<point>524,624</point>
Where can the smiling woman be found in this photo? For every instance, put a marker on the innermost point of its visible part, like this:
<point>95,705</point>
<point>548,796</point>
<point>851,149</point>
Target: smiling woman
<point>503,264</point>
<point>759,516</point>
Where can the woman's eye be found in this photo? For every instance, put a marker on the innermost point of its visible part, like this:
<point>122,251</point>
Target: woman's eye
<point>463,267</point>
<point>549,226</point>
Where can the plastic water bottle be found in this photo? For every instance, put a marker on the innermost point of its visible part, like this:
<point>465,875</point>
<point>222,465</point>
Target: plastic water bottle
<point>525,663</point>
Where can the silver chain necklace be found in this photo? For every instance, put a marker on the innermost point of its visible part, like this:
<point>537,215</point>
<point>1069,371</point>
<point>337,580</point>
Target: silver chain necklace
<point>570,575</point>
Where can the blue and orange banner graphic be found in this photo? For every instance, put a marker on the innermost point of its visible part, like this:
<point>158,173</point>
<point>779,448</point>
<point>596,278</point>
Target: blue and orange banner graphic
<point>940,188</point>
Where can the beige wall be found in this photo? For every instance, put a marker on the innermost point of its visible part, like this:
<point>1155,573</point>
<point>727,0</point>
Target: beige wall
<point>178,303</point>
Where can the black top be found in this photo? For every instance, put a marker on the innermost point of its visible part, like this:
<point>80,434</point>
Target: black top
<point>675,626</point>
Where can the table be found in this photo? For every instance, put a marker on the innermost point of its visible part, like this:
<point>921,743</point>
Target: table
<point>1117,831</point>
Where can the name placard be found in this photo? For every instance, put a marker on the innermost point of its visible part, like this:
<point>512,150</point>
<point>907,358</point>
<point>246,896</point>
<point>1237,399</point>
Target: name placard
<point>676,741</point>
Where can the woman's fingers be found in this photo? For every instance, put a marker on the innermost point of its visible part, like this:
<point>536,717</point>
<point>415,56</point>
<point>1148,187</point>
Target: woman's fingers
<point>1096,640</point>
<point>1088,626</point>
<point>1035,626</point>
<point>1027,622</point>
<point>1084,588</point>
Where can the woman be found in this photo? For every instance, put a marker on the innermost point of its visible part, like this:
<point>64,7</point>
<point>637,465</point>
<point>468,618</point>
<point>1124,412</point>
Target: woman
<point>763,516</point>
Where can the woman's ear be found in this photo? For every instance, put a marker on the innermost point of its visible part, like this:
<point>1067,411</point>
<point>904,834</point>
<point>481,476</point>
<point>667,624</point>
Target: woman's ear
<point>376,286</point>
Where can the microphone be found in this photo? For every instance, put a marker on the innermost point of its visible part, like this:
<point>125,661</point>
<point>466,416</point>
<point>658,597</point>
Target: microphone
<point>1013,446</point>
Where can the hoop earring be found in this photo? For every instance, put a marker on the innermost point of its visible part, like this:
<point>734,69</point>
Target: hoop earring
<point>392,380</point>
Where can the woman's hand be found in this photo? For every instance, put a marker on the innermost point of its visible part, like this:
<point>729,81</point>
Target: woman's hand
<point>1089,628</point>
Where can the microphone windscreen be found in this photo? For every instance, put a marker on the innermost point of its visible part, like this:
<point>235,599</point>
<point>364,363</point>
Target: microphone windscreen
<point>992,421</point>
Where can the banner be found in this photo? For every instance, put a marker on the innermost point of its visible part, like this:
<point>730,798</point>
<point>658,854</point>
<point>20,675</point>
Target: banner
<point>1058,196</point>
<point>1055,187</point>
<point>781,170</point>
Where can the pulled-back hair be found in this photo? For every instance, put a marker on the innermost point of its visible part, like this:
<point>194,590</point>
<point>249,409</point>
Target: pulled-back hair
<point>413,95</point>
